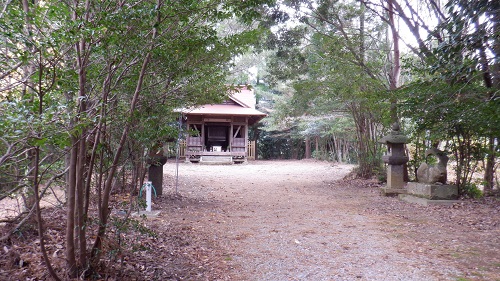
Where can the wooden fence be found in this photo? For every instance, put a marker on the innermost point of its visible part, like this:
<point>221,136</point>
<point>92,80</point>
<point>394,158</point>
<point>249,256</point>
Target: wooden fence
<point>182,149</point>
<point>251,150</point>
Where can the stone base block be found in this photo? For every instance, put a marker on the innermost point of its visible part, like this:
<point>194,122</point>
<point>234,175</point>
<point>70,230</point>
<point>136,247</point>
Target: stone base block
<point>395,178</point>
<point>387,191</point>
<point>151,214</point>
<point>433,191</point>
<point>216,160</point>
<point>425,201</point>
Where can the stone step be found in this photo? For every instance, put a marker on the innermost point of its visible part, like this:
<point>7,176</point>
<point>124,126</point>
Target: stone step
<point>425,201</point>
<point>216,160</point>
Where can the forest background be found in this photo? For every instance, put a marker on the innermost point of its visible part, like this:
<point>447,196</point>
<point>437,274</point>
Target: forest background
<point>89,91</point>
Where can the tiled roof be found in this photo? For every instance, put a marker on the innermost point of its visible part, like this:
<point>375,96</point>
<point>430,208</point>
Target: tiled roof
<point>223,109</point>
<point>244,105</point>
<point>244,97</point>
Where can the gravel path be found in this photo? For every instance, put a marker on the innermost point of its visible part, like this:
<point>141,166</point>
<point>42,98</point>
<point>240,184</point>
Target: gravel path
<point>278,221</point>
<point>294,220</point>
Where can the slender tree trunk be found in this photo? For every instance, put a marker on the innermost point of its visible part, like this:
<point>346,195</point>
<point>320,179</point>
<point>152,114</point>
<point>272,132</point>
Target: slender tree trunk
<point>489,169</point>
<point>97,138</point>
<point>489,78</point>
<point>494,141</point>
<point>308,148</point>
<point>396,65</point>
<point>338,148</point>
<point>362,48</point>
<point>316,141</point>
<point>70,214</point>
<point>76,216</point>
<point>36,177</point>
<point>28,92</point>
<point>80,203</point>
<point>81,157</point>
<point>104,212</point>
<point>38,212</point>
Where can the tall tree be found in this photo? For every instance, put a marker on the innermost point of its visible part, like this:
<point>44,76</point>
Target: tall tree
<point>342,69</point>
<point>456,71</point>
<point>98,70</point>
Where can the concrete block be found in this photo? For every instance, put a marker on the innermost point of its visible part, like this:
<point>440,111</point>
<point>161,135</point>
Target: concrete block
<point>433,191</point>
<point>152,214</point>
<point>425,201</point>
<point>386,191</point>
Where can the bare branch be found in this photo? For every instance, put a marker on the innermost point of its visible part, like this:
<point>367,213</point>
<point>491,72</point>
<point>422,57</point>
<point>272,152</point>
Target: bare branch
<point>21,223</point>
<point>8,72</point>
<point>423,51</point>
<point>5,9</point>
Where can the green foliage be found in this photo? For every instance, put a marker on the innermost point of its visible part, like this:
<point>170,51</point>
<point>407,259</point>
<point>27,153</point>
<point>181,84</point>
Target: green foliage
<point>331,75</point>
<point>458,116</point>
<point>442,109</point>
<point>453,99</point>
<point>471,190</point>
<point>276,145</point>
<point>96,74</point>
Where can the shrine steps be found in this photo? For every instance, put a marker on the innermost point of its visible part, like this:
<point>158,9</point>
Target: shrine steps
<point>216,160</point>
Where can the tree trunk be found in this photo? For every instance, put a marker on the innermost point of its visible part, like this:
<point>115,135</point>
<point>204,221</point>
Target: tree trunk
<point>104,212</point>
<point>76,215</point>
<point>489,169</point>
<point>308,148</point>
<point>316,141</point>
<point>28,91</point>
<point>491,81</point>
<point>71,266</point>
<point>80,204</point>
<point>81,156</point>
<point>396,65</point>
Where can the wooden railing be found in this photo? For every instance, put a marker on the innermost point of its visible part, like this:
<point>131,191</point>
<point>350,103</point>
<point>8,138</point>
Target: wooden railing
<point>182,149</point>
<point>251,152</point>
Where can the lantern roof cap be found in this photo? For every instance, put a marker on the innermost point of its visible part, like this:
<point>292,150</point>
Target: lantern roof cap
<point>394,136</point>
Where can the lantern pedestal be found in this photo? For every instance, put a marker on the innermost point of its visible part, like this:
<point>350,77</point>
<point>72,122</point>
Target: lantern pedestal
<point>395,181</point>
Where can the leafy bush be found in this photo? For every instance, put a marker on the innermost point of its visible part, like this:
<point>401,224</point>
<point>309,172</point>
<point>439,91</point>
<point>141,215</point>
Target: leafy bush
<point>471,190</point>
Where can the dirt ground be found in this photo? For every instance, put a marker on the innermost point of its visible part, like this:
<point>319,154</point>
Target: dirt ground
<point>294,220</point>
<point>301,220</point>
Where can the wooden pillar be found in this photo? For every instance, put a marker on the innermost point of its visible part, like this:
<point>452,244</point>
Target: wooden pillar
<point>246,137</point>
<point>231,132</point>
<point>203,144</point>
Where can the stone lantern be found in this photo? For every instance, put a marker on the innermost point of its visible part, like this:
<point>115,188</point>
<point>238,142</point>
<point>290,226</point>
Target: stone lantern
<point>395,159</point>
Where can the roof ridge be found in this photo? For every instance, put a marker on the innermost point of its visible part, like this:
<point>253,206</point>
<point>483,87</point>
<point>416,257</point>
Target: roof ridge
<point>239,101</point>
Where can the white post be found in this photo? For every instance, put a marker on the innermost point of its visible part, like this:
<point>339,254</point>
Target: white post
<point>148,196</point>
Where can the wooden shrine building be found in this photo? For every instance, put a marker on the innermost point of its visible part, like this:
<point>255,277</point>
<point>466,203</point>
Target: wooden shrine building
<point>219,132</point>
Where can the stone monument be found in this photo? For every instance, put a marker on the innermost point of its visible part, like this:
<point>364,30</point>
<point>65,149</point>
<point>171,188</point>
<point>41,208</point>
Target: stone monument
<point>431,187</point>
<point>395,159</point>
<point>433,173</point>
